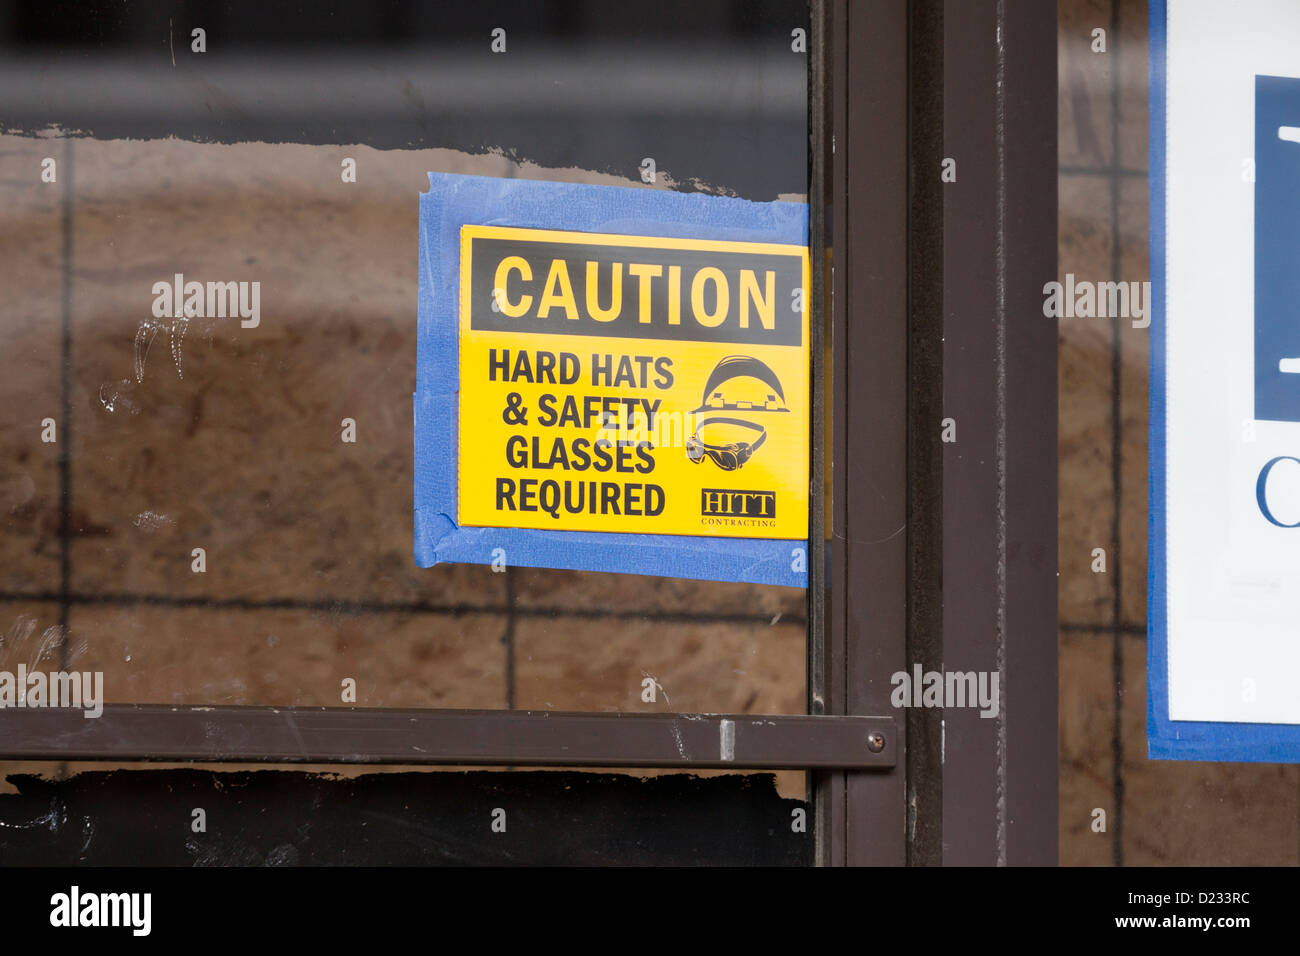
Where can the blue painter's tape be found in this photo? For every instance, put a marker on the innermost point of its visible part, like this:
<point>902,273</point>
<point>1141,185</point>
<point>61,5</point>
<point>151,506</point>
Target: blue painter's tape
<point>454,201</point>
<point>1179,739</point>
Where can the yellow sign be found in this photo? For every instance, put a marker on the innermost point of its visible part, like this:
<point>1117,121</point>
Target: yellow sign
<point>633,384</point>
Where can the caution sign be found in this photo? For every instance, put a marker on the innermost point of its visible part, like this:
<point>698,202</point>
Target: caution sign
<point>631,384</point>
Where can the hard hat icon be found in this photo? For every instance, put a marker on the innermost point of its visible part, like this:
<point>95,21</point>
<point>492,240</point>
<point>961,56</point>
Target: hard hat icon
<point>762,393</point>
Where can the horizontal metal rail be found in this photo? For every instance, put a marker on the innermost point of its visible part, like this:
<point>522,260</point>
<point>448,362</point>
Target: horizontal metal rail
<point>159,732</point>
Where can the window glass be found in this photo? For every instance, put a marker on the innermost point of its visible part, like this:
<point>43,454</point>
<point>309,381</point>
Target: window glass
<point>196,528</point>
<point>1155,811</point>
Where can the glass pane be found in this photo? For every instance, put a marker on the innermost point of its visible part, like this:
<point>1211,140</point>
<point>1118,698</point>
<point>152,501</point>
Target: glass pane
<point>1157,811</point>
<point>232,164</point>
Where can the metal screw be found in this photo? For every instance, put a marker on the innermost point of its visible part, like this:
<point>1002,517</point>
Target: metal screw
<point>876,742</point>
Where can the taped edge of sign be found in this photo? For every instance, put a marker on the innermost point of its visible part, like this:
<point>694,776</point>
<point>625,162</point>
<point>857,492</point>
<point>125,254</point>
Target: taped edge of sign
<point>454,201</point>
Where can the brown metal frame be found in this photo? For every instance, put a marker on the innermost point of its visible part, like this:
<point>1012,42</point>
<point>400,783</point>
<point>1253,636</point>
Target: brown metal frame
<point>943,555</point>
<point>859,818</point>
<point>468,737</point>
<point>999,484</point>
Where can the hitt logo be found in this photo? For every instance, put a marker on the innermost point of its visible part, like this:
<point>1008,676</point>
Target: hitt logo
<point>726,503</point>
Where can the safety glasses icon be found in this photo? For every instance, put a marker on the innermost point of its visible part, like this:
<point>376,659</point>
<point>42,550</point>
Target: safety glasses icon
<point>728,456</point>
